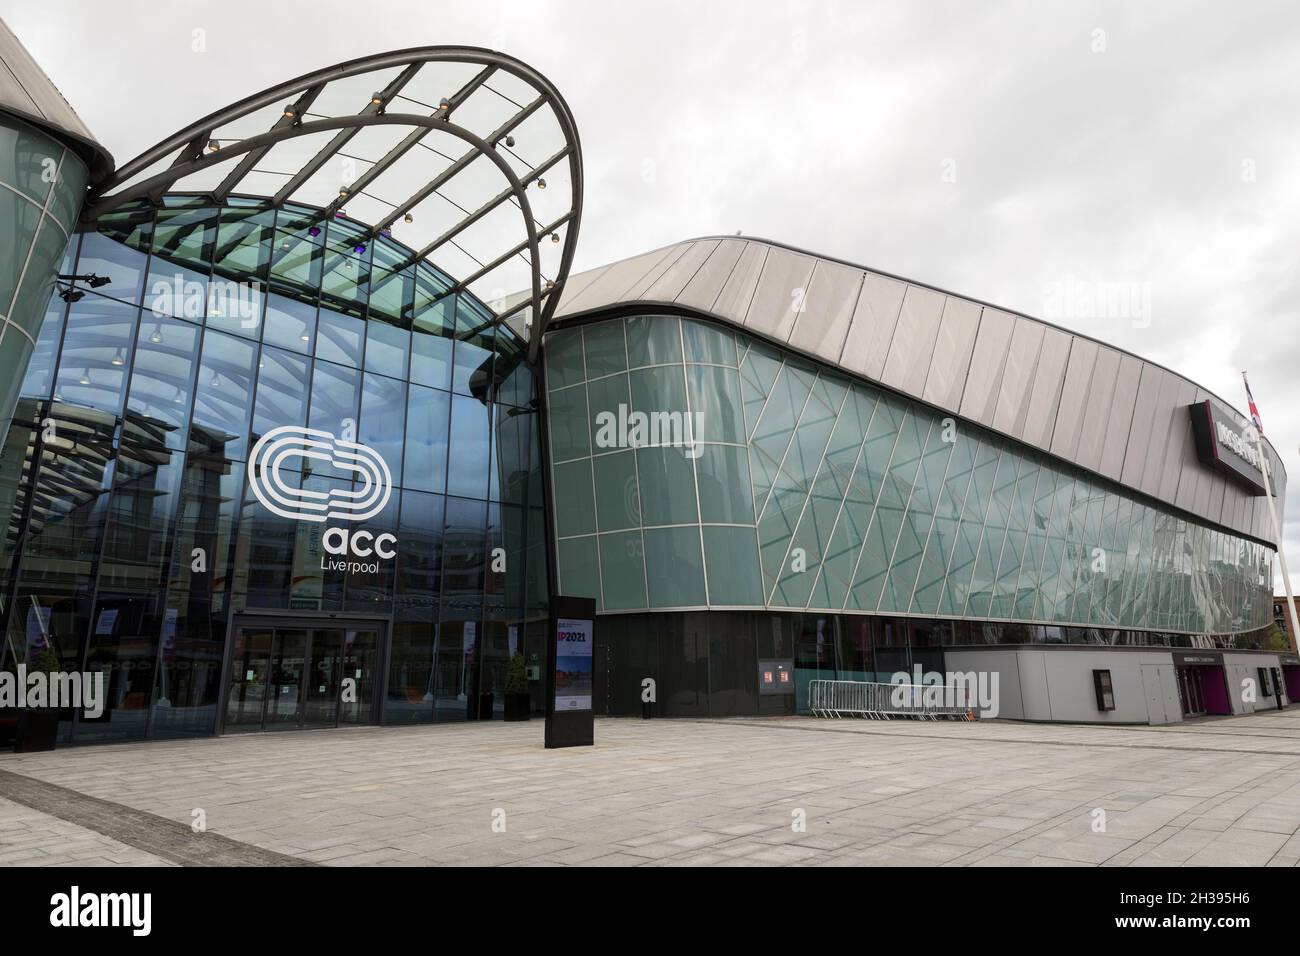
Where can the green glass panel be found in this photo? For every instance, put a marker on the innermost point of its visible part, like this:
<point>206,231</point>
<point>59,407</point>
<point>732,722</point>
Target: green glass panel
<point>868,581</point>
<point>653,340</point>
<point>993,536</point>
<point>29,160</point>
<point>956,587</point>
<point>947,513</point>
<point>708,343</point>
<point>832,587</point>
<point>605,349</point>
<point>579,574</point>
<point>21,219</point>
<point>731,556</point>
<point>607,399</point>
<point>616,491</point>
<point>564,362</point>
<point>723,475</point>
<point>568,424</point>
<point>673,567</point>
<point>667,486</point>
<point>716,413</point>
<point>622,570</point>
<point>577,511</point>
<point>758,372</point>
<point>905,564</point>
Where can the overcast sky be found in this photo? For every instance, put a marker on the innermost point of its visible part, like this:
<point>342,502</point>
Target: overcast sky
<point>1000,150</point>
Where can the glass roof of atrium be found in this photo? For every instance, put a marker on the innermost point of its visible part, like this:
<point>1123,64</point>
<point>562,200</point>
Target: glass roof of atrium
<point>468,158</point>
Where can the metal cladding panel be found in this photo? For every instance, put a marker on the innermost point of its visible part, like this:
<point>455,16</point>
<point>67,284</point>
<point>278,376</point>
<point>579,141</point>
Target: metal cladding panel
<point>1122,397</point>
<point>1049,377</point>
<point>1018,377</point>
<point>641,289</point>
<point>912,347</point>
<point>1214,510</point>
<point>26,91</point>
<point>1194,477</point>
<point>873,325</point>
<point>669,285</point>
<point>828,311</point>
<point>1139,434</point>
<point>701,291</point>
<point>782,294</point>
<point>1162,422</point>
<point>614,280</point>
<point>1096,409</point>
<point>1074,394</point>
<point>1087,403</point>
<point>946,378</point>
<point>1180,442</point>
<point>733,301</point>
<point>979,400</point>
<point>574,287</point>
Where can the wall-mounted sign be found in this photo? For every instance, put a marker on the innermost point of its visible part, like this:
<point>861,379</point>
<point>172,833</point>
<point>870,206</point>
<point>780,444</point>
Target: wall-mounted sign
<point>1225,442</point>
<point>1104,689</point>
<point>776,677</point>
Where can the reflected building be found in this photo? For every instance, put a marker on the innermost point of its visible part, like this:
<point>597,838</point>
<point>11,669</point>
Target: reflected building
<point>288,450</point>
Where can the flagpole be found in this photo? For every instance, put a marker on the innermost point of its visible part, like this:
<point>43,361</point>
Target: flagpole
<point>1272,513</point>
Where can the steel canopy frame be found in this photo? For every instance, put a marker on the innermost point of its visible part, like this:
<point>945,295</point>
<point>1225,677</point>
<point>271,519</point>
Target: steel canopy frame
<point>193,150</point>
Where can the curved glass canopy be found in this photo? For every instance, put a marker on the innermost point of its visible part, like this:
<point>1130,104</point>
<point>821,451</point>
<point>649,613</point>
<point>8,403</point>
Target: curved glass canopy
<point>468,157</point>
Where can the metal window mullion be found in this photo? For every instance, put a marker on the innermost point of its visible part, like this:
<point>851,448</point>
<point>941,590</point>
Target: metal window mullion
<point>699,520</point>
<point>636,468</point>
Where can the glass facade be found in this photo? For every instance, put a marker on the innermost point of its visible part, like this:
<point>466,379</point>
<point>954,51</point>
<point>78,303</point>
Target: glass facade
<point>800,489</point>
<point>136,545</point>
<point>42,184</point>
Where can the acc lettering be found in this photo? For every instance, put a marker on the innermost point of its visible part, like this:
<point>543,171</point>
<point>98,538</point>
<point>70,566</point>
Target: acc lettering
<point>360,543</point>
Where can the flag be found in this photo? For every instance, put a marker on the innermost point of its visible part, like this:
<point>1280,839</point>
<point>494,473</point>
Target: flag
<point>1254,411</point>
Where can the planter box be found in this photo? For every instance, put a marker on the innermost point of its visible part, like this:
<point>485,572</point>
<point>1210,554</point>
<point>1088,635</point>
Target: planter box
<point>518,706</point>
<point>38,729</point>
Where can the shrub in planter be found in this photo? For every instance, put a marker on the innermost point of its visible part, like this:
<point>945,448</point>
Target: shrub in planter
<point>518,701</point>
<point>38,727</point>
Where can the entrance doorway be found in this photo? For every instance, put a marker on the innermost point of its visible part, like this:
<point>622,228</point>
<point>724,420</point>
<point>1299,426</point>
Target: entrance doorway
<point>296,675</point>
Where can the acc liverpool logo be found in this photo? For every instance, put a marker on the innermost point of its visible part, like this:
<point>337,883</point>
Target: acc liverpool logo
<point>280,446</point>
<point>364,498</point>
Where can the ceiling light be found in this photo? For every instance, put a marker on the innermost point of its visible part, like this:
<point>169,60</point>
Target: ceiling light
<point>541,183</point>
<point>444,104</point>
<point>408,219</point>
<point>305,338</point>
<point>215,381</point>
<point>555,237</point>
<point>156,338</point>
<point>85,377</point>
<point>213,146</point>
<point>343,192</point>
<point>510,141</point>
<point>120,358</point>
<point>290,111</point>
<point>376,99</point>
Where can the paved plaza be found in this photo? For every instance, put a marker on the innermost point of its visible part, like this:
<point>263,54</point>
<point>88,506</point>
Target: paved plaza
<point>672,792</point>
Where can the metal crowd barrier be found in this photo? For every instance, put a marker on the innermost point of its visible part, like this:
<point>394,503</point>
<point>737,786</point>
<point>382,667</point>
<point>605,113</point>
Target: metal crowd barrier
<point>848,698</point>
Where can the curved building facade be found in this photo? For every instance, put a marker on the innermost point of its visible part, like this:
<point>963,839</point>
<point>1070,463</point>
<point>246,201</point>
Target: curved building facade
<point>776,462</point>
<point>287,453</point>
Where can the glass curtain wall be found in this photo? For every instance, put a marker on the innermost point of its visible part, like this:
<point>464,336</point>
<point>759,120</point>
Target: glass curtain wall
<point>134,535</point>
<point>790,486</point>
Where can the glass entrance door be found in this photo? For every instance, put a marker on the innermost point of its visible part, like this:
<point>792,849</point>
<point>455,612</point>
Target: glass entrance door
<point>293,676</point>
